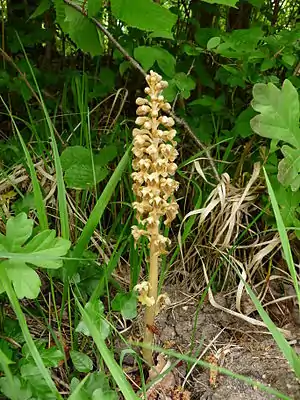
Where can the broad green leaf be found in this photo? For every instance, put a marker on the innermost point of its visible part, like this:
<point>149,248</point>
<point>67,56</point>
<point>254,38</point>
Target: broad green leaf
<point>162,34</point>
<point>279,120</point>
<point>289,59</point>
<point>147,56</point>
<point>18,231</point>
<point>17,392</point>
<point>2,289</point>
<point>95,381</point>
<point>80,29</point>
<point>25,280</point>
<point>242,123</point>
<point>171,91</point>
<point>81,171</point>
<point>81,176</point>
<point>82,362</point>
<point>106,155</point>
<point>143,14</point>
<point>213,42</point>
<point>95,310</point>
<point>268,63</point>
<point>74,155</point>
<point>94,6</point>
<point>185,84</point>
<point>41,8</point>
<point>257,3</point>
<point>229,3</point>
<point>126,303</point>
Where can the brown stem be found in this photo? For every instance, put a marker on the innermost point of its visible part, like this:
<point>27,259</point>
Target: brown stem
<point>150,311</point>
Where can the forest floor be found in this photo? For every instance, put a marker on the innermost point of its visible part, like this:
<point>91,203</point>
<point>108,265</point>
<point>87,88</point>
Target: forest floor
<point>230,342</point>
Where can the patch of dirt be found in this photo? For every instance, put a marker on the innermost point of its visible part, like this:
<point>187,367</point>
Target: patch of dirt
<point>230,343</point>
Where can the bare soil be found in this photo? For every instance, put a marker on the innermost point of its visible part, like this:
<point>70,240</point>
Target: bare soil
<point>230,343</point>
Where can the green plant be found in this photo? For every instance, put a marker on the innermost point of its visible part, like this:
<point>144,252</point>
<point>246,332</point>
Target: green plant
<point>17,251</point>
<point>279,121</point>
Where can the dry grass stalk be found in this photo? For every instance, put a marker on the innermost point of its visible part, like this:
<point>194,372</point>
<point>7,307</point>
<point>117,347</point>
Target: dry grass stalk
<point>154,155</point>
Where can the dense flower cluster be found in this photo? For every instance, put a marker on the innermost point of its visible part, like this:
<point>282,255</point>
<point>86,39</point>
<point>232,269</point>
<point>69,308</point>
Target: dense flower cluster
<point>154,166</point>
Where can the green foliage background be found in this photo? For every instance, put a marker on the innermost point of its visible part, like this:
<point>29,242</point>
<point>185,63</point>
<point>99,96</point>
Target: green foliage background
<point>233,69</point>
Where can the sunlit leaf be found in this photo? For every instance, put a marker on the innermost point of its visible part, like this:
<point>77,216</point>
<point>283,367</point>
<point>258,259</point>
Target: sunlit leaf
<point>143,14</point>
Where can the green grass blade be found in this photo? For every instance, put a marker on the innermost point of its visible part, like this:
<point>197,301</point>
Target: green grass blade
<point>288,352</point>
<point>4,362</point>
<point>106,354</point>
<point>61,190</point>
<point>100,206</point>
<point>38,197</point>
<point>27,336</point>
<point>283,237</point>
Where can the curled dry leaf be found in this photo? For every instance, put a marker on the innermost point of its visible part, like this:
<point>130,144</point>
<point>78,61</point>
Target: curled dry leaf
<point>167,387</point>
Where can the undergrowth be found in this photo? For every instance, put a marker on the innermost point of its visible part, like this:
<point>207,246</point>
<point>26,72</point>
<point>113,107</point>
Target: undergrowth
<point>70,268</point>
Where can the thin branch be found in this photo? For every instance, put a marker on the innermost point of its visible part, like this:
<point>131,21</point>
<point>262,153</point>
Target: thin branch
<point>137,66</point>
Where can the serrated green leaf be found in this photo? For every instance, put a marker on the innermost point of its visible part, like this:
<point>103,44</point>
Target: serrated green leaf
<point>82,362</point>
<point>18,231</point>
<point>25,280</point>
<point>213,43</point>
<point>143,14</point>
